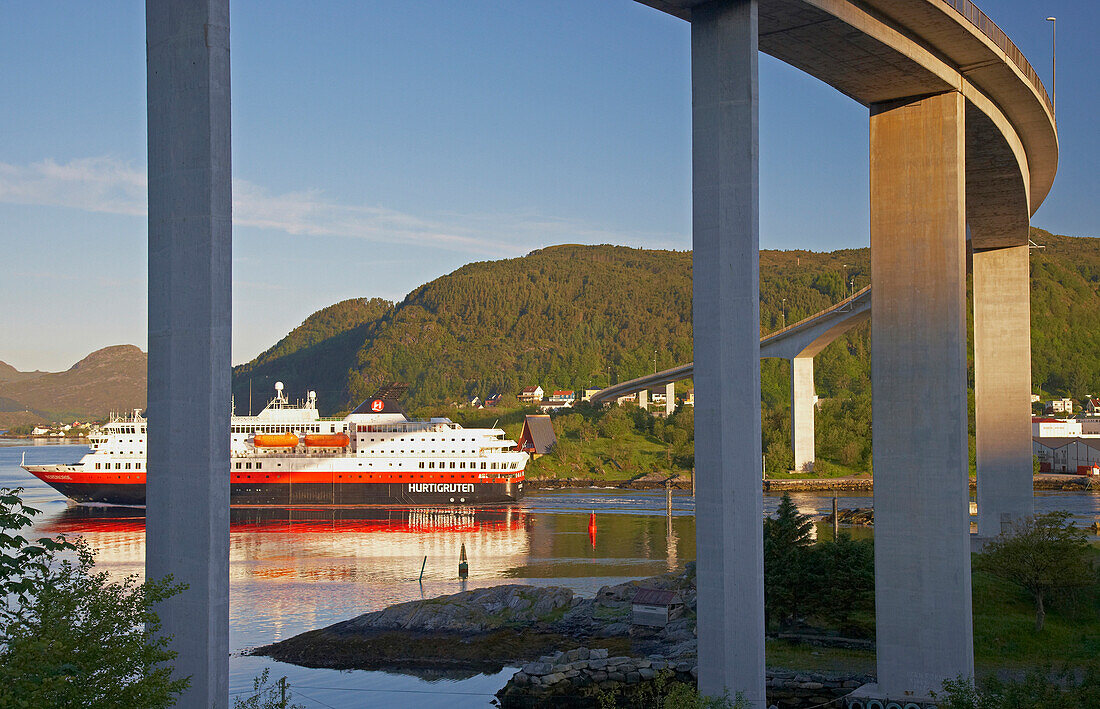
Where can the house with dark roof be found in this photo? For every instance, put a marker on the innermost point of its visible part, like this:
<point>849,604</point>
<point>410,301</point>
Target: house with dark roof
<point>538,437</point>
<point>1092,406</point>
<point>655,607</point>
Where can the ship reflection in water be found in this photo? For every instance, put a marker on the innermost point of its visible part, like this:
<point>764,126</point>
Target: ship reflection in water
<point>304,543</point>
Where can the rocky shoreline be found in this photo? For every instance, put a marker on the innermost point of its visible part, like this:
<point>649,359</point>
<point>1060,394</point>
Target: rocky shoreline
<point>568,648</point>
<point>847,484</point>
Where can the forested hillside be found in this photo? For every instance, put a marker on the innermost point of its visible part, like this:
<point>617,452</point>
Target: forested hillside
<point>575,316</point>
<point>315,355</point>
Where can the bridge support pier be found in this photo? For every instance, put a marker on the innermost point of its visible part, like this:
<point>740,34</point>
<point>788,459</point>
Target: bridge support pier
<point>190,244</point>
<point>643,399</point>
<point>918,377</point>
<point>802,412</point>
<point>670,398</point>
<point>1002,387</point>
<point>725,227</point>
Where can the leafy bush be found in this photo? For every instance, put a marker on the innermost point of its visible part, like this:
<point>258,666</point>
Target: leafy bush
<point>69,636</point>
<point>1038,689</point>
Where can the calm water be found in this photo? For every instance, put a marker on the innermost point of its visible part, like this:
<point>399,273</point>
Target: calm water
<point>295,570</point>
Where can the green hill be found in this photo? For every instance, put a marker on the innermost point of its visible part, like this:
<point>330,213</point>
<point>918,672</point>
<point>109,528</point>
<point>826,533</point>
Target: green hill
<point>569,317</point>
<point>315,355</point>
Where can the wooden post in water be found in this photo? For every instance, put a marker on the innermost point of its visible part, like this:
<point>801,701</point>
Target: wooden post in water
<point>422,565</point>
<point>836,521</point>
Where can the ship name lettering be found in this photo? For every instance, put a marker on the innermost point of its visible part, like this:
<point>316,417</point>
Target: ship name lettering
<point>441,487</point>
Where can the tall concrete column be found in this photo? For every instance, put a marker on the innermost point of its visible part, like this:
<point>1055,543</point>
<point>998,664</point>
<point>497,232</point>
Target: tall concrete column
<point>802,412</point>
<point>190,241</point>
<point>643,400</point>
<point>1002,386</point>
<point>670,398</point>
<point>725,226</point>
<point>918,380</point>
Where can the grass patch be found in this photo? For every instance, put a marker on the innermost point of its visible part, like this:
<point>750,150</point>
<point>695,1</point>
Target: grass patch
<point>802,656</point>
<point>1004,626</point>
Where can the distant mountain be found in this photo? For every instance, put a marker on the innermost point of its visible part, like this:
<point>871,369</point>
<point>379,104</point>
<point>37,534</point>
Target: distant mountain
<point>110,379</point>
<point>9,373</point>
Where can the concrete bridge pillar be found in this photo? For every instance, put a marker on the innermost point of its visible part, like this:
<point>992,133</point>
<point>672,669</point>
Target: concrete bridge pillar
<point>643,399</point>
<point>1002,386</point>
<point>670,398</point>
<point>802,412</point>
<point>918,377</point>
<point>725,227</point>
<point>190,243</point>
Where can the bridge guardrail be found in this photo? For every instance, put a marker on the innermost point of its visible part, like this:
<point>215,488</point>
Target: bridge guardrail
<point>990,29</point>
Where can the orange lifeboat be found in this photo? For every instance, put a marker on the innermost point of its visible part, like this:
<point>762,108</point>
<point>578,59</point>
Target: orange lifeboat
<point>275,440</point>
<point>327,440</point>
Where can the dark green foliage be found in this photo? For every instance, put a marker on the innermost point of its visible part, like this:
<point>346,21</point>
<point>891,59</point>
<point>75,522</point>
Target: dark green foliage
<point>315,355</point>
<point>71,637</point>
<point>843,583</point>
<point>1046,555</point>
<point>831,583</point>
<point>786,562</point>
<point>1038,689</point>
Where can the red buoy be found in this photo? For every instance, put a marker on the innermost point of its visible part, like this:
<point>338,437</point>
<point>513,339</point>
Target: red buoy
<point>592,528</point>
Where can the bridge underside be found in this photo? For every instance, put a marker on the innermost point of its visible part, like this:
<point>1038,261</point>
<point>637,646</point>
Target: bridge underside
<point>962,140</point>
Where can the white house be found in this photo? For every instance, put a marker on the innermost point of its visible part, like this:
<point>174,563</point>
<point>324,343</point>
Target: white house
<point>1060,406</point>
<point>531,394</point>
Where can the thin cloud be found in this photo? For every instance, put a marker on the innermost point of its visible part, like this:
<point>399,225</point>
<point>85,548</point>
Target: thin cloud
<point>111,186</point>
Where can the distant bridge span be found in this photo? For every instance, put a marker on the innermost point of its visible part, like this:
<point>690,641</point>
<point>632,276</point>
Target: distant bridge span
<point>798,342</point>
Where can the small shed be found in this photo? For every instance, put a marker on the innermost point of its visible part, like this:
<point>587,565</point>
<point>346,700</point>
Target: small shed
<point>538,435</point>
<point>656,606</point>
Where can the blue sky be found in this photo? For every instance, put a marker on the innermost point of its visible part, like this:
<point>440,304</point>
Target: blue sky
<point>378,145</point>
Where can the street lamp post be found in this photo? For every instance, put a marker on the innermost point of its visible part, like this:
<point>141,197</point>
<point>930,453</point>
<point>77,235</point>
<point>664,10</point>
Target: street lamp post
<point>1053,63</point>
<point>784,312</point>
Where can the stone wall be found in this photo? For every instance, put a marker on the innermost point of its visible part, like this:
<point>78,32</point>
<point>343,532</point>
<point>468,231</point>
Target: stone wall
<point>582,675</point>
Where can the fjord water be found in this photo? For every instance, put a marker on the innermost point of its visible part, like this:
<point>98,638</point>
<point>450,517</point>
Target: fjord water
<point>296,570</point>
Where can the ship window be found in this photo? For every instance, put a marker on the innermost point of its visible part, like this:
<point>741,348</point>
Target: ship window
<point>462,465</point>
<point>421,464</point>
<point>238,466</point>
<point>118,466</point>
<point>97,466</point>
<point>452,465</point>
<point>127,466</point>
<point>431,464</point>
<point>483,466</point>
<point>248,465</point>
<point>259,466</point>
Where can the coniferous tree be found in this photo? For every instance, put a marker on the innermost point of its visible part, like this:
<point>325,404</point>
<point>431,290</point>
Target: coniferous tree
<point>786,554</point>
